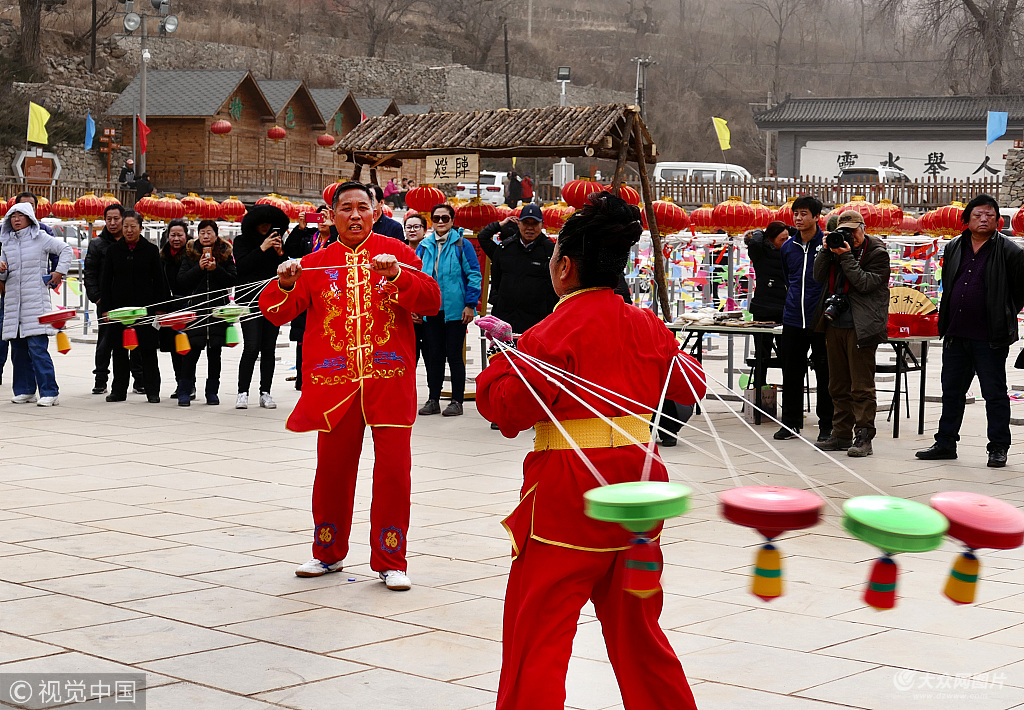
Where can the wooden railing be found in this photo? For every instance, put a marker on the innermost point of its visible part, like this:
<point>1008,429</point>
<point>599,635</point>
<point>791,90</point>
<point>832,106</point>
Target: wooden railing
<point>916,196</point>
<point>290,180</point>
<point>72,189</point>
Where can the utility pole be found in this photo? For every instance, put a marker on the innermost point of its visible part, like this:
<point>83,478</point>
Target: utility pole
<point>508,81</point>
<point>92,41</point>
<point>767,137</point>
<point>141,165</point>
<point>641,82</point>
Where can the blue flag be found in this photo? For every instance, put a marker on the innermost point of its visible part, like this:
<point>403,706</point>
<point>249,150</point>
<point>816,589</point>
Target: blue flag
<point>90,130</point>
<point>996,126</point>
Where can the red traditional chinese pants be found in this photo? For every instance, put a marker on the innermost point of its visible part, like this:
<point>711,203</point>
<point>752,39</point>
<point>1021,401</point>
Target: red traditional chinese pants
<point>547,587</point>
<point>334,491</point>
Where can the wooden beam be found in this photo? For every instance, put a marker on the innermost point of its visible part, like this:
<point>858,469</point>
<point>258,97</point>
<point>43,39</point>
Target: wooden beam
<point>620,160</point>
<point>652,222</point>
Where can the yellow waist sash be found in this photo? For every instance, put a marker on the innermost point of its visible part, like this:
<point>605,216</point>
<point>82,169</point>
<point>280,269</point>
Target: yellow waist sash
<point>591,433</point>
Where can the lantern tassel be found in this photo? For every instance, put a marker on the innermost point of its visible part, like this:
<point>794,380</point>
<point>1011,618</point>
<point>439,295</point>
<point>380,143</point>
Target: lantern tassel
<point>766,580</point>
<point>130,339</point>
<point>63,343</point>
<point>643,568</point>
<point>881,590</point>
<point>963,578</point>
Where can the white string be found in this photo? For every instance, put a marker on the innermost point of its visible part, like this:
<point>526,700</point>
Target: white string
<point>649,459</point>
<point>729,466</point>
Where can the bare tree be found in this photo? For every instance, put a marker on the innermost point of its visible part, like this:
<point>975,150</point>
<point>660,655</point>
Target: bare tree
<point>31,24</point>
<point>478,24</point>
<point>380,19</point>
<point>780,15</point>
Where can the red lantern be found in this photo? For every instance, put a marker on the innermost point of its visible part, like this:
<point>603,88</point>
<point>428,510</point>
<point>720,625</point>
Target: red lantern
<point>924,223</point>
<point>64,209</point>
<point>423,198</point>
<point>171,208</point>
<point>147,207</point>
<point>946,220</point>
<point>702,220</point>
<point>555,215</point>
<point>210,209</point>
<point>475,215</point>
<point>575,192</point>
<point>108,199</point>
<point>871,214</point>
<point>734,216</point>
<point>193,206</point>
<point>325,140</point>
<point>304,208</point>
<point>89,207</point>
<point>232,209</point>
<point>762,215</point>
<point>386,209</point>
<point>1017,223</point>
<point>671,217</point>
<point>220,128</point>
<point>908,226</point>
<point>276,200</point>
<point>891,217</point>
<point>627,193</point>
<point>329,193</point>
<point>503,211</point>
<point>43,207</point>
<point>785,213</point>
<point>276,133</point>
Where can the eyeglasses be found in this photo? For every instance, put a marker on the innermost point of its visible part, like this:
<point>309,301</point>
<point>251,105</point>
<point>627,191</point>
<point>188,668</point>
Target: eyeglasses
<point>441,218</point>
<point>414,226</point>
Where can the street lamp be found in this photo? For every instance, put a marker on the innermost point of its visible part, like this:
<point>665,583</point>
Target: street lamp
<point>562,77</point>
<point>133,21</point>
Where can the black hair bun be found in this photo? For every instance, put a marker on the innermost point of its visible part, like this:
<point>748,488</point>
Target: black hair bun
<point>599,237</point>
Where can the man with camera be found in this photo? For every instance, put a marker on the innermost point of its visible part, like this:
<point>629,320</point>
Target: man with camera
<point>854,271</point>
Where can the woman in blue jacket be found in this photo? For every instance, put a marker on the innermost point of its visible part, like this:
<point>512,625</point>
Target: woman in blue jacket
<point>451,260</point>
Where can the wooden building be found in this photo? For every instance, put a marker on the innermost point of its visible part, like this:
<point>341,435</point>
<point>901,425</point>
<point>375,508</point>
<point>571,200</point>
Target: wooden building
<point>371,107</point>
<point>341,115</point>
<point>297,113</point>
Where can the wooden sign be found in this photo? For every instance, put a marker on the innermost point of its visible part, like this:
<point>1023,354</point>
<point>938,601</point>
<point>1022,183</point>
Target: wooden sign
<point>38,169</point>
<point>452,168</point>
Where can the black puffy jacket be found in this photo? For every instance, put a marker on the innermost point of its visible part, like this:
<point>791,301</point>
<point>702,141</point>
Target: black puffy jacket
<point>94,257</point>
<point>208,289</point>
<point>522,293</point>
<point>770,284</point>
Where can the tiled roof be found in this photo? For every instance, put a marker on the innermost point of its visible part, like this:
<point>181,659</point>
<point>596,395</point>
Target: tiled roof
<point>328,100</point>
<point>179,93</point>
<point>372,106</point>
<point>892,110</point>
<point>408,109</point>
<point>278,91</point>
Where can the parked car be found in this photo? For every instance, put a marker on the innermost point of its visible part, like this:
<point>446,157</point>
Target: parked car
<point>492,188</point>
<point>701,172</point>
<point>874,183</point>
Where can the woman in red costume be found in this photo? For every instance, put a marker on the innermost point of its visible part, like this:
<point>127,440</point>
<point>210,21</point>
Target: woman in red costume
<point>562,558</point>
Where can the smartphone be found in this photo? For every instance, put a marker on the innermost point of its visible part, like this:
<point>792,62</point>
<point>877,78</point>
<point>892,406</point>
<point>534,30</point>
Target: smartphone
<point>207,251</point>
<point>314,217</point>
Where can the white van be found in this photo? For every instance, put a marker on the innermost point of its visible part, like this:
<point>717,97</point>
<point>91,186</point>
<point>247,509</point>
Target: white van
<point>701,172</point>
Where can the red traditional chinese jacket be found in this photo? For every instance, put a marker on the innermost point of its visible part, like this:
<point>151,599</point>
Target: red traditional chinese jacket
<point>594,334</point>
<point>359,347</point>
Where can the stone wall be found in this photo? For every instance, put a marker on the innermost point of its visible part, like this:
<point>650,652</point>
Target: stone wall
<point>72,100</point>
<point>77,164</point>
<point>1011,194</point>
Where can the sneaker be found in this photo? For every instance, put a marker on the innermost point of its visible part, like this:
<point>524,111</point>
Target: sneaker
<point>138,390</point>
<point>452,410</point>
<point>23,398</point>
<point>432,406</point>
<point>834,443</point>
<point>861,445</point>
<point>823,435</point>
<point>266,401</point>
<point>242,402</point>
<point>396,580</point>
<point>192,395</point>
<point>212,399</point>
<point>786,433</point>
<point>48,401</point>
<point>316,568</point>
<point>116,397</point>
<point>937,452</point>
<point>99,390</point>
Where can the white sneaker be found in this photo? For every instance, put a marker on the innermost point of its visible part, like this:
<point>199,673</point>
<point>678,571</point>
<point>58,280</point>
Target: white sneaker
<point>48,401</point>
<point>243,401</point>
<point>23,398</point>
<point>266,401</point>
<point>396,580</point>
<point>315,568</point>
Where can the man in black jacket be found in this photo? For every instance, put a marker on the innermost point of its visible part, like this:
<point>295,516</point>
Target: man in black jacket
<point>521,291</point>
<point>106,339</point>
<point>982,293</point>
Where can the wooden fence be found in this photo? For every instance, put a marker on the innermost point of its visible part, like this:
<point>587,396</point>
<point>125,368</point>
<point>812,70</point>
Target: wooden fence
<point>915,196</point>
<point>222,180</point>
<point>71,189</point>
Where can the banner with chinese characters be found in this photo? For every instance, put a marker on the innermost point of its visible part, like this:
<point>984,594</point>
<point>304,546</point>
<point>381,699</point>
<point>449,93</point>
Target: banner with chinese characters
<point>917,159</point>
<point>452,168</point>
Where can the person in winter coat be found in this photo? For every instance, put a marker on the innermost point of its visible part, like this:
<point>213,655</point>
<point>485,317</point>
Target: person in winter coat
<point>521,291</point>
<point>798,335</point>
<point>415,232</point>
<point>258,251</point>
<point>133,277</point>
<point>769,299</point>
<point>24,257</point>
<point>172,252</point>
<point>207,271</point>
<point>452,261</point>
<point>309,240</point>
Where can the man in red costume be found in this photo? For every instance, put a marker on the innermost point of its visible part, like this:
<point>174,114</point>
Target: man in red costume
<point>359,368</point>
<point>562,558</point>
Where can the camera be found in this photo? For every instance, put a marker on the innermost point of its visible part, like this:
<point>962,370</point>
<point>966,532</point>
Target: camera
<point>835,305</point>
<point>836,239</point>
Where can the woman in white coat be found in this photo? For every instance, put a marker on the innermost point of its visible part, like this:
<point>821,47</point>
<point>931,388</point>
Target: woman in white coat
<point>24,257</point>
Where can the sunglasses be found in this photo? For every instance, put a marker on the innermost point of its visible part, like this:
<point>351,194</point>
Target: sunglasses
<point>441,218</point>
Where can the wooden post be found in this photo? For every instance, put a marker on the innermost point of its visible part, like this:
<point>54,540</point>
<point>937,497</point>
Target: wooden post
<point>620,161</point>
<point>647,195</point>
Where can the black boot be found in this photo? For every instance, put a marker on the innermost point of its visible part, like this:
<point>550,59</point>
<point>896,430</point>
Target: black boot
<point>185,389</point>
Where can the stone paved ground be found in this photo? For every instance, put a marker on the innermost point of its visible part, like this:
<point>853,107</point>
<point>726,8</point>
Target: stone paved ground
<point>163,539</point>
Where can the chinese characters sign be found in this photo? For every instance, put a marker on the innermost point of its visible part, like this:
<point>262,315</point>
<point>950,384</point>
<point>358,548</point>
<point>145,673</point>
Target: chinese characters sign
<point>452,168</point>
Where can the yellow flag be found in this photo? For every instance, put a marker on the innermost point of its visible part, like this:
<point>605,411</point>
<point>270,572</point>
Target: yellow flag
<point>37,118</point>
<point>722,129</point>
